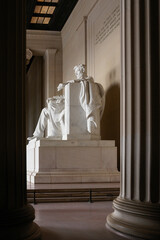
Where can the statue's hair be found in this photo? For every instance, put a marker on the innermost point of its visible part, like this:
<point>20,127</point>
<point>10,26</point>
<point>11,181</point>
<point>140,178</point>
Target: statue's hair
<point>80,67</point>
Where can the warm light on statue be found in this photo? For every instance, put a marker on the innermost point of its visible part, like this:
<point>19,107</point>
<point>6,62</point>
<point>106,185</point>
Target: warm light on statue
<point>78,114</point>
<point>91,100</point>
<point>53,115</point>
<point>73,150</point>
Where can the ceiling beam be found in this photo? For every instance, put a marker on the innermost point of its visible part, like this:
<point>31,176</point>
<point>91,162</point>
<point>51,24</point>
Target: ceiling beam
<point>29,10</point>
<point>62,13</point>
<point>42,15</point>
<point>46,4</point>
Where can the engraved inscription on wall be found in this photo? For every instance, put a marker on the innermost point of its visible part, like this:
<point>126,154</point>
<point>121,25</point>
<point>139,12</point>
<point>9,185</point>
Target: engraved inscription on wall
<point>110,23</point>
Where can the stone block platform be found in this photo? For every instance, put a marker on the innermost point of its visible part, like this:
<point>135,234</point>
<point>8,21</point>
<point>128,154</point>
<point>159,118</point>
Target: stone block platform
<point>71,192</point>
<point>69,161</point>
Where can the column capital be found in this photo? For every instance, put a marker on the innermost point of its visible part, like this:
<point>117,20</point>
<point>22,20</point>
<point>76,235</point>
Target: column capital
<point>50,51</point>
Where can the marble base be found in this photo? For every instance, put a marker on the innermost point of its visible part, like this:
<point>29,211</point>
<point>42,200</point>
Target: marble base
<point>66,161</point>
<point>18,224</point>
<point>135,218</point>
<point>87,136</point>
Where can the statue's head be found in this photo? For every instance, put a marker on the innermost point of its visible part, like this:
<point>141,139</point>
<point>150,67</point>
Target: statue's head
<point>80,71</point>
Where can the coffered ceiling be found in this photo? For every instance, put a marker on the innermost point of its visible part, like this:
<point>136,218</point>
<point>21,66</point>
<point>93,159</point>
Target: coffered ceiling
<point>48,14</point>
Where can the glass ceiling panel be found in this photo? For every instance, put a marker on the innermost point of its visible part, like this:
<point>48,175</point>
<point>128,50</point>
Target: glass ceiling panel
<point>51,10</point>
<point>34,19</point>
<point>40,20</point>
<point>46,20</point>
<point>44,9</point>
<point>37,9</point>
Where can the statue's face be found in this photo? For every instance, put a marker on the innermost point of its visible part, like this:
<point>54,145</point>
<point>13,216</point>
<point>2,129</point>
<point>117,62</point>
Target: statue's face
<point>79,73</point>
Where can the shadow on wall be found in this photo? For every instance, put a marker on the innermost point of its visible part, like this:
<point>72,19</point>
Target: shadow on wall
<point>34,94</point>
<point>110,122</point>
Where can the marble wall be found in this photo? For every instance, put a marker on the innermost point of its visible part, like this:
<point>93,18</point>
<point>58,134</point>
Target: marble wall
<point>47,44</point>
<point>92,36</point>
<point>42,79</point>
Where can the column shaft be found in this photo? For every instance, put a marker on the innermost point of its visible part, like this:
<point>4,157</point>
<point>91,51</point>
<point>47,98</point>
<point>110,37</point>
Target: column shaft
<point>137,209</point>
<point>16,217</point>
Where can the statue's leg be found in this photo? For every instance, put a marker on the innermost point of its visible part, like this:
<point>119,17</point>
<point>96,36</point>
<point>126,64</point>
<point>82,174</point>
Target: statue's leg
<point>62,124</point>
<point>42,123</point>
<point>54,125</point>
<point>93,123</point>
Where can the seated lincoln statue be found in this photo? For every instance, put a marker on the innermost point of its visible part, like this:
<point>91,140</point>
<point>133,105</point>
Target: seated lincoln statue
<point>91,98</point>
<point>51,117</point>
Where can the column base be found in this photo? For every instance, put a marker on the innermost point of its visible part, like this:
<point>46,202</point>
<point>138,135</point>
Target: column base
<point>135,218</point>
<point>18,224</point>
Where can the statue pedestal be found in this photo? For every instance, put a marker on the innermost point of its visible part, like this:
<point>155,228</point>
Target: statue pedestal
<point>60,161</point>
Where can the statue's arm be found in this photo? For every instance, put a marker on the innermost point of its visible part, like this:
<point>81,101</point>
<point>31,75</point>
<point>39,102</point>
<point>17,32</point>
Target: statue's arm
<point>62,85</point>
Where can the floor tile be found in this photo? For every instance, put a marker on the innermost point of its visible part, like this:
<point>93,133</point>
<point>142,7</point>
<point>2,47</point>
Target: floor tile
<point>74,221</point>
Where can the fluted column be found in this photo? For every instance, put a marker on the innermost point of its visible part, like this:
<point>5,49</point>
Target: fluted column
<point>137,209</point>
<point>50,85</point>
<point>16,216</point>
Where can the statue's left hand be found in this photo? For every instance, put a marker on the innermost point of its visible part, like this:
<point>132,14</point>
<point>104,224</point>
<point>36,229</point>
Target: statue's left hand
<point>60,86</point>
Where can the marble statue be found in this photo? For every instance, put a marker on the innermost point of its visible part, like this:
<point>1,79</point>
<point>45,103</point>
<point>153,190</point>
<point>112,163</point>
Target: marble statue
<point>91,98</point>
<point>52,118</point>
<point>79,155</point>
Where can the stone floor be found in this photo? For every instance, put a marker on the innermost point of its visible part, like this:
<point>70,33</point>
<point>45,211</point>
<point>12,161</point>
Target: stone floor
<point>75,221</point>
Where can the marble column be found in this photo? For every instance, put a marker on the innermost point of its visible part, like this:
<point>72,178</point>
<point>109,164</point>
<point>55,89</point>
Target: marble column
<point>50,85</point>
<point>16,216</point>
<point>137,209</point>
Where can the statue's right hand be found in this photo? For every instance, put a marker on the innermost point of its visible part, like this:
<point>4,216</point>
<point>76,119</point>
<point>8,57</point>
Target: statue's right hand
<point>71,81</point>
